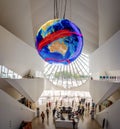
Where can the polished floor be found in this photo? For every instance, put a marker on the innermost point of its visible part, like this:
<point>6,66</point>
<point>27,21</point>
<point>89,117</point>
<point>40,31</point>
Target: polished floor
<point>85,122</point>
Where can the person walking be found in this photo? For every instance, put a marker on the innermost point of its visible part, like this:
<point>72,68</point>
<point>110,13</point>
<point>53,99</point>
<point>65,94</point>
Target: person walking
<point>42,116</point>
<point>54,110</point>
<point>38,111</point>
<point>49,105</point>
<point>73,124</point>
<point>47,112</point>
<point>92,113</point>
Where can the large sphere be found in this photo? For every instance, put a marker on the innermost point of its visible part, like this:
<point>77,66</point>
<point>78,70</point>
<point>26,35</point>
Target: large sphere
<point>59,41</point>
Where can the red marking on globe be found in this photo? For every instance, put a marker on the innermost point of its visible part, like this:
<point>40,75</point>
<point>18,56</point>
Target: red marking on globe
<point>54,36</point>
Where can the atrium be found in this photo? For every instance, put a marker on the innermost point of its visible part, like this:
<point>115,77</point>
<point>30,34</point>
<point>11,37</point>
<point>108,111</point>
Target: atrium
<point>30,85</point>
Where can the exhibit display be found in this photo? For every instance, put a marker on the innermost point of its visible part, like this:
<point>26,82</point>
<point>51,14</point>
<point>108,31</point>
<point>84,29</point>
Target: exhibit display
<point>59,41</point>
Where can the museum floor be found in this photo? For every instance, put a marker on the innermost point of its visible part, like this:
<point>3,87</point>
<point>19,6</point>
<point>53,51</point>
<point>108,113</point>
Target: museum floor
<point>85,122</point>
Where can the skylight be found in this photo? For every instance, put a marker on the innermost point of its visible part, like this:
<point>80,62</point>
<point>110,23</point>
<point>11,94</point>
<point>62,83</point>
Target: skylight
<point>67,76</point>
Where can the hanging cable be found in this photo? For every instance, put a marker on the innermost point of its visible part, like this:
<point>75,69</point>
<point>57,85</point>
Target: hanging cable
<point>60,8</point>
<point>65,9</point>
<point>70,10</point>
<point>61,4</point>
<point>54,9</point>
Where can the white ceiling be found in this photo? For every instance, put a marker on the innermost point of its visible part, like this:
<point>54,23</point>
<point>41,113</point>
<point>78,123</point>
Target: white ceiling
<point>83,13</point>
<point>23,18</point>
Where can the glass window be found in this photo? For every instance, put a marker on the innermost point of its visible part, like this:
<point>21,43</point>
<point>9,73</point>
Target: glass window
<point>66,96</point>
<point>7,73</point>
<point>68,75</point>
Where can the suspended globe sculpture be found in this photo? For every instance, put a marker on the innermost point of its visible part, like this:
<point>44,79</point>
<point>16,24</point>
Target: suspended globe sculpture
<point>59,41</point>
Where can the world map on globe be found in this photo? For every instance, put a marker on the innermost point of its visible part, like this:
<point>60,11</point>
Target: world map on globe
<point>59,41</point>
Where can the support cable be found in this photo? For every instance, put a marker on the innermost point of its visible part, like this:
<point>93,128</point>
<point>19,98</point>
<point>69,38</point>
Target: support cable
<point>65,9</point>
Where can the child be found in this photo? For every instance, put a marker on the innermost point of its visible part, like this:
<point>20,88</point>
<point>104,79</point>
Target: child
<point>43,116</point>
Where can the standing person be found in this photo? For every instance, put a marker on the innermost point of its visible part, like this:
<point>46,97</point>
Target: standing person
<point>54,110</point>
<point>73,124</point>
<point>92,113</point>
<point>43,116</point>
<point>47,112</point>
<point>82,110</point>
<point>56,103</point>
<point>88,106</point>
<point>99,108</point>
<point>72,103</point>
<point>49,104</point>
<point>61,103</point>
<point>37,111</point>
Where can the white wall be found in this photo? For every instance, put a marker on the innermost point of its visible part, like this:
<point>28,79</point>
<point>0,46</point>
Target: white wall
<point>16,17</point>
<point>11,91</point>
<point>107,57</point>
<point>5,86</point>
<point>100,90</point>
<point>34,87</point>
<point>30,88</point>
<point>17,55</point>
<point>12,112</point>
<point>109,19</point>
<point>112,115</point>
<point>115,96</point>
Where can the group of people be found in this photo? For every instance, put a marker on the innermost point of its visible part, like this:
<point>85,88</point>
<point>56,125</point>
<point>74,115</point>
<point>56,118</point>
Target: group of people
<point>43,115</point>
<point>48,106</point>
<point>59,113</point>
<point>82,107</point>
<point>85,106</point>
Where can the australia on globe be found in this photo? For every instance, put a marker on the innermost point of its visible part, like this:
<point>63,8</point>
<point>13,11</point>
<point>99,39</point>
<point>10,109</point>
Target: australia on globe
<point>58,47</point>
